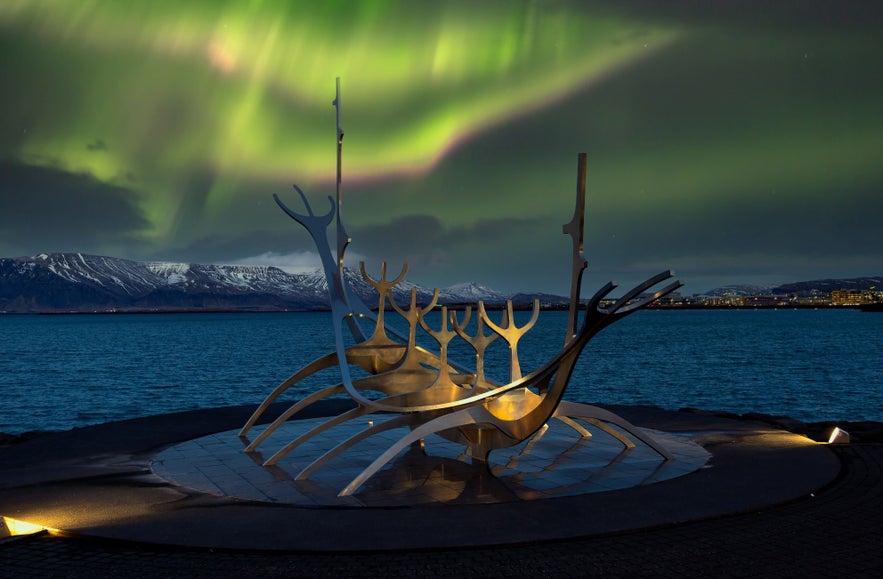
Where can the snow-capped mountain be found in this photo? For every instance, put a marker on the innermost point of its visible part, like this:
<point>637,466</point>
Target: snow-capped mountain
<point>741,290</point>
<point>799,287</point>
<point>75,282</point>
<point>470,292</point>
<point>826,285</point>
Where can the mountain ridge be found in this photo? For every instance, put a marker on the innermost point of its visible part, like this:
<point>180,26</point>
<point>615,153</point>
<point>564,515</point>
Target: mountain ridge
<point>80,283</point>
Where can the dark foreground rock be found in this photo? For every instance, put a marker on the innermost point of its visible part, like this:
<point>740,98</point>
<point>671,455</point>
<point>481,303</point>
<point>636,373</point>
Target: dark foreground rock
<point>15,438</point>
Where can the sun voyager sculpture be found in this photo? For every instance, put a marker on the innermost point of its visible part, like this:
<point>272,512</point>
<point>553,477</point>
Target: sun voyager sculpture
<point>411,387</point>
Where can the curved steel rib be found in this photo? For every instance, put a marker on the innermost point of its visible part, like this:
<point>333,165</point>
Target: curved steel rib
<point>315,366</point>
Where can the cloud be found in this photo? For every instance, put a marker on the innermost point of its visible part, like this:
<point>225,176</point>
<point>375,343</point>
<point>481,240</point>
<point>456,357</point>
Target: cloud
<point>817,14</point>
<point>799,223</point>
<point>296,262</point>
<point>427,234</point>
<point>438,251</point>
<point>496,252</point>
<point>494,230</point>
<point>44,208</point>
<point>97,145</point>
<point>404,238</point>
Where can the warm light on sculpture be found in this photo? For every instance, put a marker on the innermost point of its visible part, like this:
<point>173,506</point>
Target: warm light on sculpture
<point>430,394</point>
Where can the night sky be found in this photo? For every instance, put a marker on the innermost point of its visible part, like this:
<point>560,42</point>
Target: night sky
<point>737,142</point>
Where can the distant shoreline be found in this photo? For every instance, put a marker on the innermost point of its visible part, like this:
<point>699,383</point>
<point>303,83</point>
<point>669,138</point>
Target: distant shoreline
<point>494,307</point>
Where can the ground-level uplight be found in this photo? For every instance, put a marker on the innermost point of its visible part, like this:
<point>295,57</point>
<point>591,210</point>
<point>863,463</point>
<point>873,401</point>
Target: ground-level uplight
<point>10,527</point>
<point>838,436</point>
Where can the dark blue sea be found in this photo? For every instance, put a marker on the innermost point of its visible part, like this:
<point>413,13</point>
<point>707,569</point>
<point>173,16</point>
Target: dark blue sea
<point>65,371</point>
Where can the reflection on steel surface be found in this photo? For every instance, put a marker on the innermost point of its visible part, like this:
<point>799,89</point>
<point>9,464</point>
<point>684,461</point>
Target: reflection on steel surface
<point>430,394</point>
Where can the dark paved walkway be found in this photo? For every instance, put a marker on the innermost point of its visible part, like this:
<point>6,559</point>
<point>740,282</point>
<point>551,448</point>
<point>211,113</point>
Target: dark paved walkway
<point>834,533</point>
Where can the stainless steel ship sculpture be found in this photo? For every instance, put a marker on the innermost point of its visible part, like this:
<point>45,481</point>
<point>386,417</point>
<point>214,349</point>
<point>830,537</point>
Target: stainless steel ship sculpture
<point>428,393</point>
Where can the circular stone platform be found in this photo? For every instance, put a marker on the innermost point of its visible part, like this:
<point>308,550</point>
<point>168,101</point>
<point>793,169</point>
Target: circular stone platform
<point>556,462</point>
<point>110,481</point>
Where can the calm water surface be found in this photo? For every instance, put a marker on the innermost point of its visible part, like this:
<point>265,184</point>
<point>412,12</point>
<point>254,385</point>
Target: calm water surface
<point>60,372</point>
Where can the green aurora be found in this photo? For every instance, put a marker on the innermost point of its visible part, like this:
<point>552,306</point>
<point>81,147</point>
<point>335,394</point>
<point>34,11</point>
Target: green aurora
<point>734,146</point>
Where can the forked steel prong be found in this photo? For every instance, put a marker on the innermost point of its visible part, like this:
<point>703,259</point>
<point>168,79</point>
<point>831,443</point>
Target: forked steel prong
<point>511,333</point>
<point>479,343</point>
<point>382,287</point>
<point>412,316</point>
<point>443,337</point>
<point>311,221</point>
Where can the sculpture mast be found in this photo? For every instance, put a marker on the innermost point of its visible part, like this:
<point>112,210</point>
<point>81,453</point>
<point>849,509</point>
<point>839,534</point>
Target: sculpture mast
<point>575,230</point>
<point>342,238</point>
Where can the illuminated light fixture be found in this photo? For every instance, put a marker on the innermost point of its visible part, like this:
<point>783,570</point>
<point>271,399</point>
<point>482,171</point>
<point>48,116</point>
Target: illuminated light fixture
<point>838,436</point>
<point>13,527</point>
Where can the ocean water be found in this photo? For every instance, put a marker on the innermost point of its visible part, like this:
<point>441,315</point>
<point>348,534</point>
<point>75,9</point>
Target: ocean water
<point>66,371</point>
